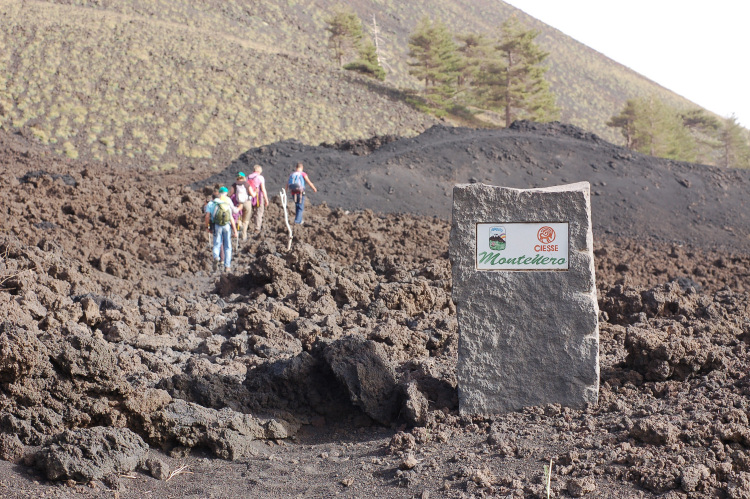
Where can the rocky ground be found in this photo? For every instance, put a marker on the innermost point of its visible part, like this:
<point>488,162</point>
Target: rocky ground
<point>129,369</point>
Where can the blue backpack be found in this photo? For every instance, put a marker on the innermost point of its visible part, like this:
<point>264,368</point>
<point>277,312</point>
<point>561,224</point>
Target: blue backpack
<point>296,183</point>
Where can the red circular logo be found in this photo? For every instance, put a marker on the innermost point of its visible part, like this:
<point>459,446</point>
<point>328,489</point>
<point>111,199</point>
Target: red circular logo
<point>546,235</point>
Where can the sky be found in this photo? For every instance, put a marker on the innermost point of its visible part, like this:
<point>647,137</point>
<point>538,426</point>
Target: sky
<point>695,48</point>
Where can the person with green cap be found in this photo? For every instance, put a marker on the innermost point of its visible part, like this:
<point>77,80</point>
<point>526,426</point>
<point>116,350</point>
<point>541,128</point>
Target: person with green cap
<point>208,210</point>
<point>224,228</point>
<point>243,193</point>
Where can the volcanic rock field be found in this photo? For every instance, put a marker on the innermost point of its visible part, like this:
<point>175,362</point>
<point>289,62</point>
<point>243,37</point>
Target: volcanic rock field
<point>129,368</point>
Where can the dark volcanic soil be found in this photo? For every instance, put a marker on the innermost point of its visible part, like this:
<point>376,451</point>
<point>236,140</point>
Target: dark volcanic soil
<point>633,195</point>
<point>128,369</point>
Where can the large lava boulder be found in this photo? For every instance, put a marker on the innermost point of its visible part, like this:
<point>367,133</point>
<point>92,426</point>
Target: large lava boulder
<point>91,454</point>
<point>362,366</point>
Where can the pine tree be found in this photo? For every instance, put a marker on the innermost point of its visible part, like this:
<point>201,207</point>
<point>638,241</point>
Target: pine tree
<point>435,58</point>
<point>513,79</point>
<point>705,132</point>
<point>346,38</point>
<point>367,63</point>
<point>475,50</point>
<point>735,150</point>
<point>651,127</point>
<point>345,33</point>
<point>626,121</point>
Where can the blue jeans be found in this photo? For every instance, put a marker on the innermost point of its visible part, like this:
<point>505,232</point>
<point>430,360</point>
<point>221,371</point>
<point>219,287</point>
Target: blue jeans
<point>299,205</point>
<point>223,235</point>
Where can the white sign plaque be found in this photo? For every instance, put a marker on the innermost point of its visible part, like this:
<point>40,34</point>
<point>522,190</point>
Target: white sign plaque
<point>522,246</point>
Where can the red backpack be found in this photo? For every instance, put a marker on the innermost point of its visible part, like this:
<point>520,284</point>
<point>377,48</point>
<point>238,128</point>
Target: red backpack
<point>254,181</point>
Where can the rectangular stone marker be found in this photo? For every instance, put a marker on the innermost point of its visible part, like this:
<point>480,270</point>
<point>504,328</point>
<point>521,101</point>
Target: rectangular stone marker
<point>525,294</point>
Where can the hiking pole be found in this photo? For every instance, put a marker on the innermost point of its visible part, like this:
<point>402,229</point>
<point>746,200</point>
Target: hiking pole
<point>286,218</point>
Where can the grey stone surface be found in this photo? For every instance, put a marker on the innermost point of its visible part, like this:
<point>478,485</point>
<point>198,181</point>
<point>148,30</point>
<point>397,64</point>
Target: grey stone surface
<point>362,366</point>
<point>91,453</point>
<point>415,405</point>
<point>227,433</point>
<point>158,468</point>
<point>525,338</point>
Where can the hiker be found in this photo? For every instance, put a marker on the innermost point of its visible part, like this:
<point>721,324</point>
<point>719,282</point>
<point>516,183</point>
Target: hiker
<point>208,210</point>
<point>296,184</point>
<point>260,201</point>
<point>238,213</point>
<point>243,194</point>
<point>223,223</point>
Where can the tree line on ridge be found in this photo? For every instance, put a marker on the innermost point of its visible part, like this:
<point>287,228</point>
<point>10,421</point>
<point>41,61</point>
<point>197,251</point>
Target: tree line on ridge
<point>473,72</point>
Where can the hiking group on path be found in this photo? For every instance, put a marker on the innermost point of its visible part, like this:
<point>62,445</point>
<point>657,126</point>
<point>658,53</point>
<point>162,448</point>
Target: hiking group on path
<point>230,211</point>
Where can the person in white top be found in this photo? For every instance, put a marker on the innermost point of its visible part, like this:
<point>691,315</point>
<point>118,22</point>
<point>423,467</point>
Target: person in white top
<point>243,193</point>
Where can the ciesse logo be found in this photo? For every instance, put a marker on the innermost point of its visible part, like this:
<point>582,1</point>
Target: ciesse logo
<point>546,235</point>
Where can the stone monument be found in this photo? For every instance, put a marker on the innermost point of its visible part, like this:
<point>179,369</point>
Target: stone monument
<point>525,293</point>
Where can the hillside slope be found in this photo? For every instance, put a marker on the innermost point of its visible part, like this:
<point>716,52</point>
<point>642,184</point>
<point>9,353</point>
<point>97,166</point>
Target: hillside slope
<point>164,83</point>
<point>124,88</point>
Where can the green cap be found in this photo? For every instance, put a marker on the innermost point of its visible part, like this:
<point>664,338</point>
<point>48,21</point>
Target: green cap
<point>241,174</point>
<point>223,189</point>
